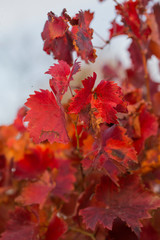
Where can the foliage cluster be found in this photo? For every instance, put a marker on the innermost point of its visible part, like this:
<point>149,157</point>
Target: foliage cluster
<point>89,168</point>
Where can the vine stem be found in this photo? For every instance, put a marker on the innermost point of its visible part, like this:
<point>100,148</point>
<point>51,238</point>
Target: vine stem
<point>71,90</point>
<point>78,150</point>
<point>83,232</point>
<point>98,35</point>
<point>146,76</point>
<point>76,133</point>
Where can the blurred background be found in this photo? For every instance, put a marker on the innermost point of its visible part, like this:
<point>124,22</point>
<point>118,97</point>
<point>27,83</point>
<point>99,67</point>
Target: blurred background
<point>22,60</point>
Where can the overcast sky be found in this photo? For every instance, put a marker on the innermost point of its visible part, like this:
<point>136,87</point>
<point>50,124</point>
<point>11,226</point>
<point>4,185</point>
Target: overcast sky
<point>22,60</point>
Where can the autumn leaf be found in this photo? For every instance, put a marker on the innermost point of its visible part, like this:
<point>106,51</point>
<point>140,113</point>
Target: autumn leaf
<point>104,100</point>
<point>106,97</point>
<point>59,82</point>
<point>36,192</point>
<point>34,163</point>
<point>57,227</point>
<point>131,203</point>
<point>112,155</point>
<point>129,13</point>
<point>153,20</point>
<point>116,30</point>
<point>65,179</point>
<point>46,118</point>
<point>83,96</point>
<point>61,76</point>
<point>57,37</point>
<point>56,26</point>
<point>20,226</point>
<point>148,127</point>
<point>55,46</point>
<point>18,122</point>
<point>75,69</point>
<point>82,36</point>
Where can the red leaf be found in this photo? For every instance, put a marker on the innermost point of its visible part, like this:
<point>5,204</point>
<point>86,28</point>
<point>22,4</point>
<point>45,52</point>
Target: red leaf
<point>129,13</point>
<point>118,145</point>
<point>20,226</point>
<point>57,227</point>
<point>54,27</point>
<point>61,76</point>
<point>65,179</point>
<point>113,155</point>
<point>130,203</point>
<point>46,118</point>
<point>83,96</point>
<point>37,192</point>
<point>82,36</point>
<point>59,40</point>
<point>18,122</point>
<point>136,56</point>
<point>153,22</point>
<point>59,82</point>
<point>76,68</point>
<point>104,100</point>
<point>148,125</point>
<point>109,72</point>
<point>55,46</point>
<point>35,163</point>
<point>106,97</point>
<point>57,37</point>
<point>116,30</point>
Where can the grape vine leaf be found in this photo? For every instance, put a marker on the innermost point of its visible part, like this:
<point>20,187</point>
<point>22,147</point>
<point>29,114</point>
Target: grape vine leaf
<point>57,227</point>
<point>129,12</point>
<point>34,163</point>
<point>64,179</point>
<point>113,155</point>
<point>20,226</point>
<point>61,76</point>
<point>82,36</point>
<point>36,192</point>
<point>153,21</point>
<point>57,37</point>
<point>110,203</point>
<point>83,96</point>
<point>116,30</point>
<point>148,127</point>
<point>18,122</point>
<point>55,26</point>
<point>104,99</point>
<point>46,118</point>
<point>132,24</point>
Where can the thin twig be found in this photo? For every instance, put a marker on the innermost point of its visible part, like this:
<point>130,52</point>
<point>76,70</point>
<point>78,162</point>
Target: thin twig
<point>98,35</point>
<point>77,136</point>
<point>102,47</point>
<point>71,90</point>
<point>83,232</point>
<point>146,75</point>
